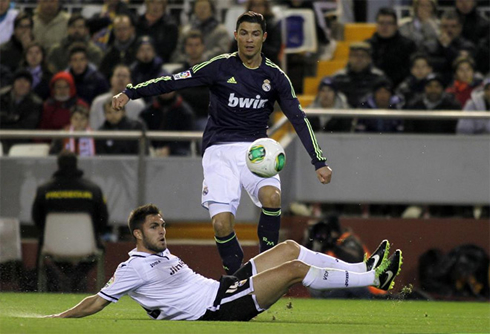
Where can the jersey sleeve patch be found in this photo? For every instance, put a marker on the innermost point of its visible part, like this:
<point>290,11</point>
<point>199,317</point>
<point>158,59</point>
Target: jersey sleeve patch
<point>183,75</point>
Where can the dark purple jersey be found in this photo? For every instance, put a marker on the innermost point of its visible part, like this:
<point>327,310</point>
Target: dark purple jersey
<point>241,100</point>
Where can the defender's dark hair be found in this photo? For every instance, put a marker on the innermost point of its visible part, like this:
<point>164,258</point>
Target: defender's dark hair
<point>386,11</point>
<point>251,17</point>
<point>137,216</point>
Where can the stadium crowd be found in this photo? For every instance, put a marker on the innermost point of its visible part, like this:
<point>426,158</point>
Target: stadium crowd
<point>59,71</point>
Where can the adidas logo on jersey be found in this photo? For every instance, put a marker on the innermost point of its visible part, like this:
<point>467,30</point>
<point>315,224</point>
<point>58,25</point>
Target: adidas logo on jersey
<point>243,102</point>
<point>232,80</point>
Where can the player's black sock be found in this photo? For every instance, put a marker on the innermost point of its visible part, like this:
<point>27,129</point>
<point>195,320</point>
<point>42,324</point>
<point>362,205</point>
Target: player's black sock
<point>268,229</point>
<point>244,272</point>
<point>230,251</point>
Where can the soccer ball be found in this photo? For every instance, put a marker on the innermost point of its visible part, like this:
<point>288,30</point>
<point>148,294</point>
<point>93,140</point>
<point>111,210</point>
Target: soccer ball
<point>265,157</point>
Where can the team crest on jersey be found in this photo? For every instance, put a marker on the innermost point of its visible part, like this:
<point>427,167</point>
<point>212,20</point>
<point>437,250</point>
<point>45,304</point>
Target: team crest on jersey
<point>183,75</point>
<point>266,86</point>
<point>205,191</point>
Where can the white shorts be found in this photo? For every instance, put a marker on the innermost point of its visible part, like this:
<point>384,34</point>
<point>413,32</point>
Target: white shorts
<point>225,173</point>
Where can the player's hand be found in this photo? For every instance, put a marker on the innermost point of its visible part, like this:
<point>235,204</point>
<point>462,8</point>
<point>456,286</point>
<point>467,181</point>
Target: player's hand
<point>324,174</point>
<point>119,101</point>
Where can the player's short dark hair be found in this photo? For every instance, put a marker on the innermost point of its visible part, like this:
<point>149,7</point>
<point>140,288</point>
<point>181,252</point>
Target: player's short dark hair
<point>76,48</point>
<point>251,17</point>
<point>138,216</point>
<point>386,11</point>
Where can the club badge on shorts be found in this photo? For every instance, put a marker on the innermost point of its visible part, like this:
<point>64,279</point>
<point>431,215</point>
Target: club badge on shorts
<point>266,86</point>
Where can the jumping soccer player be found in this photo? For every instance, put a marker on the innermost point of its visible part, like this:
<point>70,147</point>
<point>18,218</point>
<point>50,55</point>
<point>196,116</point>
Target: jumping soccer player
<point>168,289</point>
<point>243,89</point>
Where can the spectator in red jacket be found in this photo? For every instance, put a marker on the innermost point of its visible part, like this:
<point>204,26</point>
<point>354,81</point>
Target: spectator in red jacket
<point>56,109</point>
<point>465,79</point>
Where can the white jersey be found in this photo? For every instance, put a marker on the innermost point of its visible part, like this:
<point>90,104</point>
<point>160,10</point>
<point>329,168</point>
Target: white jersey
<point>162,282</point>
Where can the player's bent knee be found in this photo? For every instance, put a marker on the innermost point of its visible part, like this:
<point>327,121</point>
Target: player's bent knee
<point>222,227</point>
<point>297,269</point>
<point>290,249</point>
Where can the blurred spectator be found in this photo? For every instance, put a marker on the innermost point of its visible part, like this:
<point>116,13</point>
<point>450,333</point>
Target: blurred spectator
<point>161,27</point>
<point>479,101</point>
<point>147,64</point>
<point>101,24</point>
<point>7,18</point>
<point>475,26</point>
<point>329,237</point>
<point>50,23</point>
<point>482,57</point>
<point>11,52</point>
<point>391,50</point>
<point>215,34</point>
<point>169,112</point>
<point>33,61</point>
<point>123,49</point>
<point>77,33</point>
<point>357,78</point>
<point>423,25</point>
<point>85,146</point>
<point>88,80</point>
<point>196,97</point>
<point>465,79</point>
<point>413,86</point>
<point>116,120</point>
<point>449,46</point>
<point>20,109</point>
<point>273,45</point>
<point>121,77</point>
<point>329,97</point>
<point>69,191</point>
<point>382,97</point>
<point>433,99</point>
<point>5,76</point>
<point>56,109</point>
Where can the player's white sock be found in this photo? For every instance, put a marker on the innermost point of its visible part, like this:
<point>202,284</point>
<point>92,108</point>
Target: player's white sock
<point>326,261</point>
<point>326,278</point>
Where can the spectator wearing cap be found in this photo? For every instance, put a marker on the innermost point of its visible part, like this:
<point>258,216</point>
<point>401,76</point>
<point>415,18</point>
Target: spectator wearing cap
<point>120,78</point>
<point>84,146</point>
<point>391,50</point>
<point>88,80</point>
<point>7,18</point>
<point>479,101</point>
<point>382,97</point>
<point>50,23</point>
<point>465,79</point>
<point>433,99</point>
<point>34,61</point>
<point>449,46</point>
<point>57,108</point>
<point>57,58</point>
<point>123,50</point>
<point>357,78</point>
<point>11,52</point>
<point>160,26</point>
<point>475,26</point>
<point>329,97</point>
<point>413,86</point>
<point>423,25</point>
<point>216,37</point>
<point>20,108</point>
<point>147,64</point>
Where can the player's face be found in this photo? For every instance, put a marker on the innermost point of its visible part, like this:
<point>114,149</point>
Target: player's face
<point>250,38</point>
<point>153,234</point>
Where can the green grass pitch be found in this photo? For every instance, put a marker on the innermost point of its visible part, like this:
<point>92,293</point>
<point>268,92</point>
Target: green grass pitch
<point>21,313</point>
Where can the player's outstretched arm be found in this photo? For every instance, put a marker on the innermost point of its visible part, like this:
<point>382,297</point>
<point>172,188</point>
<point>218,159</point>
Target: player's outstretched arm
<point>324,174</point>
<point>119,101</point>
<point>88,306</point>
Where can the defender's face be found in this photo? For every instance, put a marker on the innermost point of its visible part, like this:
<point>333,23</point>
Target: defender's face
<point>250,38</point>
<point>153,234</point>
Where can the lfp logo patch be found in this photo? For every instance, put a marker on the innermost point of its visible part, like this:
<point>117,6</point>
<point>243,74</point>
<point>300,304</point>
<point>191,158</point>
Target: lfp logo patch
<point>183,75</point>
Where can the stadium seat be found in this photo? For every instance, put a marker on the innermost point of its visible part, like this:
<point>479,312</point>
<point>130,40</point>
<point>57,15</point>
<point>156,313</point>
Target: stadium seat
<point>69,237</point>
<point>300,31</point>
<point>355,32</point>
<point>327,68</point>
<point>29,150</point>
